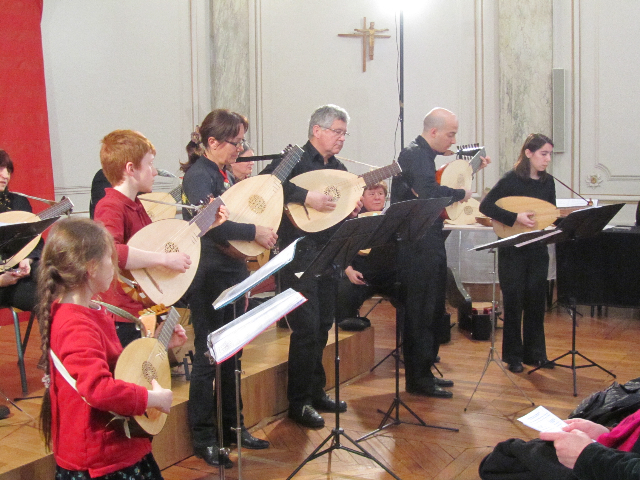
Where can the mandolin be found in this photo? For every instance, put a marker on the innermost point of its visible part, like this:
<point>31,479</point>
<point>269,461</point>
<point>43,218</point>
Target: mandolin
<point>156,285</point>
<point>147,359</point>
<point>544,214</point>
<point>160,211</point>
<point>459,174</point>
<point>17,216</point>
<point>343,187</point>
<point>258,200</point>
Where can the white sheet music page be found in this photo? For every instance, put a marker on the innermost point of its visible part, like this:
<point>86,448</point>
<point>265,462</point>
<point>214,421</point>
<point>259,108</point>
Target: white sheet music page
<point>227,340</point>
<point>543,420</point>
<point>268,269</point>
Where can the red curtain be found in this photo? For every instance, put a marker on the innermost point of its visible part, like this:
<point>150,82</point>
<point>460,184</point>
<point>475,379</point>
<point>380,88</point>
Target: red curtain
<point>24,125</point>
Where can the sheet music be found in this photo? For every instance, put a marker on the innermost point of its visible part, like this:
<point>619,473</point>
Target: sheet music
<point>543,420</point>
<point>227,340</point>
<point>268,269</point>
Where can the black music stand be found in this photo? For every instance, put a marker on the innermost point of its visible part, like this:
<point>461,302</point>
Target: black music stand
<point>406,222</point>
<point>493,352</point>
<point>579,224</point>
<point>230,296</point>
<point>15,236</point>
<point>352,236</point>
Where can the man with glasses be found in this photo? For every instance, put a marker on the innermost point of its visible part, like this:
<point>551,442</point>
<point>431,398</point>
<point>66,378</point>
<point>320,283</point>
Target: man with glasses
<point>311,322</point>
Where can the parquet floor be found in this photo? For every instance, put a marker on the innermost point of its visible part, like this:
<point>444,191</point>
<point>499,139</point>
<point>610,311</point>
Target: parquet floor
<point>415,452</point>
<point>411,451</point>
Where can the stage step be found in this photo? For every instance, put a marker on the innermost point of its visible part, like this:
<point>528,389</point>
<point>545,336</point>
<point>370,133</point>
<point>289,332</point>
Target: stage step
<point>264,383</point>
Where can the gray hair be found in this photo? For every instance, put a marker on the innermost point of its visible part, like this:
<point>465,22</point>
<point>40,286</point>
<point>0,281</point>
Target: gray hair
<point>325,115</point>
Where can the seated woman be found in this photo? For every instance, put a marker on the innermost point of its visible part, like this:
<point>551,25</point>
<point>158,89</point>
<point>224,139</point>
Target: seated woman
<point>18,289</point>
<point>584,450</point>
<point>368,274</point>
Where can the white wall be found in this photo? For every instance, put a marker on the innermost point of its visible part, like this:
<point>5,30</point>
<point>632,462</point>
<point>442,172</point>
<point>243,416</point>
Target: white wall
<point>304,64</point>
<point>119,64</point>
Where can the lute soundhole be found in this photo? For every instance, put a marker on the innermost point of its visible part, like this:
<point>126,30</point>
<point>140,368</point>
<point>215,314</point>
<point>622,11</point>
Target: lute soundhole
<point>332,192</point>
<point>170,247</point>
<point>468,210</point>
<point>149,371</point>
<point>257,204</point>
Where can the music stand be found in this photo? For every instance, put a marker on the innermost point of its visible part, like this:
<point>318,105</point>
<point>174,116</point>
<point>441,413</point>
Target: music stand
<point>15,236</point>
<point>231,295</point>
<point>406,221</point>
<point>352,236</point>
<point>579,224</point>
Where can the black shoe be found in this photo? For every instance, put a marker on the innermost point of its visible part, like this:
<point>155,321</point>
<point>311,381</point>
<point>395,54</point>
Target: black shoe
<point>542,364</point>
<point>246,439</point>
<point>442,382</point>
<point>429,391</point>
<point>328,404</point>
<point>210,455</point>
<point>516,367</point>
<point>4,412</point>
<point>306,416</point>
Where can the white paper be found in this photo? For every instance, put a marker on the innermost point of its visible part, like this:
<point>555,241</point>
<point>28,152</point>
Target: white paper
<point>227,340</point>
<point>543,420</point>
<point>264,272</point>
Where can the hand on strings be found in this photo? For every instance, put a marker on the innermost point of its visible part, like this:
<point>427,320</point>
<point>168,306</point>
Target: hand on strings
<point>485,161</point>
<point>221,217</point>
<point>569,445</point>
<point>467,196</point>
<point>265,236</point>
<point>159,397</point>
<point>526,219</point>
<point>594,430</point>
<point>356,210</point>
<point>177,261</point>
<point>319,201</point>
<point>24,268</point>
<point>178,338</point>
<point>354,276</point>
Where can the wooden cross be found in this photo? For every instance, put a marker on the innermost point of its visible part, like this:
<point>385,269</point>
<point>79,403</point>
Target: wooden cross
<point>369,36</point>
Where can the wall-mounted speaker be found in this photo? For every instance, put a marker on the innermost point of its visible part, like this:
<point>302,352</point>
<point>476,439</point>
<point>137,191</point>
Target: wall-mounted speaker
<point>558,84</point>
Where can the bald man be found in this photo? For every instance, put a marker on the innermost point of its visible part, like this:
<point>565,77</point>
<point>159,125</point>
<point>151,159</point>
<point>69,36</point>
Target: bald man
<point>422,267</point>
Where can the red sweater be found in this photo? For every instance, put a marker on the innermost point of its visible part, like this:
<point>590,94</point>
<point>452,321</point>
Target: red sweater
<point>86,343</point>
<point>123,218</point>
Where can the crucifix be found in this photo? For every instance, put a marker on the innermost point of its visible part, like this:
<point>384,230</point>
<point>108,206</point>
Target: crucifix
<point>369,36</point>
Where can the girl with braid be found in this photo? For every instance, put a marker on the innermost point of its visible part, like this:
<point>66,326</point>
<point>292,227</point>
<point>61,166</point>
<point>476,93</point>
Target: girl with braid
<point>80,350</point>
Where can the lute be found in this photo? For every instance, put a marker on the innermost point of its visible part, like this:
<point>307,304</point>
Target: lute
<point>156,285</point>
<point>16,216</point>
<point>160,211</point>
<point>459,174</point>
<point>543,214</point>
<point>259,200</point>
<point>147,359</point>
<point>343,187</point>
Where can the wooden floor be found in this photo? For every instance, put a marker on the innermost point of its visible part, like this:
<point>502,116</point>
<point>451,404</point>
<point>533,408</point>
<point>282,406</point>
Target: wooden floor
<point>410,451</point>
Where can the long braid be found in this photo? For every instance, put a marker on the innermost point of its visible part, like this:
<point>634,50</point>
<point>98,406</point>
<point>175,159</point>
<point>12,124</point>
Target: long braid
<point>72,244</point>
<point>47,292</point>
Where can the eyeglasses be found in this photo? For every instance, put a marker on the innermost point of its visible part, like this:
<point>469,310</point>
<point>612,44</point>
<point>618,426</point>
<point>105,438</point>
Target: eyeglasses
<point>338,132</point>
<point>236,144</point>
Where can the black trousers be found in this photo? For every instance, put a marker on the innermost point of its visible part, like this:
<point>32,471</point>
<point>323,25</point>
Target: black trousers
<point>310,324</point>
<point>23,294</point>
<point>523,280</point>
<point>215,273</point>
<point>422,273</point>
<point>351,296</point>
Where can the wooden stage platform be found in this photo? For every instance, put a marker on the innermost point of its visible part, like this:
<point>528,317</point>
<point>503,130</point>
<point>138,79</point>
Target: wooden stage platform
<point>264,361</point>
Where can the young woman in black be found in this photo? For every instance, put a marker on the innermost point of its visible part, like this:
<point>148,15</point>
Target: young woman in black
<point>523,271</point>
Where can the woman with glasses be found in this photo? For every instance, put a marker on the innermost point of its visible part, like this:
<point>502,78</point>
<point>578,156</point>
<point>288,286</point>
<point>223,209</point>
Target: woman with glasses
<point>221,137</point>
